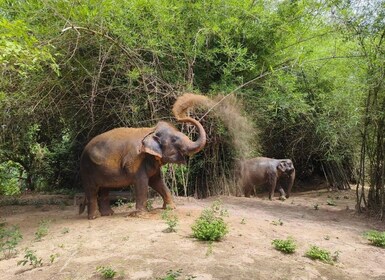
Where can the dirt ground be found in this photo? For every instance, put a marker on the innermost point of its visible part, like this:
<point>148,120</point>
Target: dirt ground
<point>138,248</point>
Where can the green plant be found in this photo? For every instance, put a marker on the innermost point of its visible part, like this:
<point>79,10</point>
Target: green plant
<point>171,275</point>
<point>9,239</point>
<point>209,249</point>
<point>119,202</point>
<point>53,257</point>
<point>331,202</point>
<point>316,253</point>
<point>107,272</point>
<point>287,246</point>
<point>170,218</point>
<point>243,221</point>
<point>277,223</point>
<point>65,230</point>
<point>30,258</point>
<point>210,225</point>
<point>149,204</point>
<point>42,230</point>
<point>376,238</point>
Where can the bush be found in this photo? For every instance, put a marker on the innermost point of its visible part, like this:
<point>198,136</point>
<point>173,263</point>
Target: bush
<point>170,218</point>
<point>376,238</point>
<point>31,258</point>
<point>287,246</point>
<point>9,239</point>
<point>316,253</point>
<point>9,178</point>
<point>210,226</point>
<point>106,272</point>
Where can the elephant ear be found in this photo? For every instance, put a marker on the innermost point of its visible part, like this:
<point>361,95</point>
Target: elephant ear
<point>150,145</point>
<point>282,166</point>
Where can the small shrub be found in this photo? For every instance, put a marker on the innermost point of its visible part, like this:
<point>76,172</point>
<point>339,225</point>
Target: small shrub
<point>277,223</point>
<point>316,253</point>
<point>149,205</point>
<point>52,258</point>
<point>119,202</point>
<point>9,239</point>
<point>331,202</point>
<point>209,249</point>
<point>106,272</point>
<point>170,218</point>
<point>175,275</point>
<point>287,246</point>
<point>30,258</point>
<point>210,225</point>
<point>42,230</point>
<point>376,238</point>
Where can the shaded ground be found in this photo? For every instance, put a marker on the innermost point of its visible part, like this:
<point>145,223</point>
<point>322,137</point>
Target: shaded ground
<point>137,248</point>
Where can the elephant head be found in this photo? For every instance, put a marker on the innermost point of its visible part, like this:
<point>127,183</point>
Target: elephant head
<point>286,167</point>
<point>170,145</point>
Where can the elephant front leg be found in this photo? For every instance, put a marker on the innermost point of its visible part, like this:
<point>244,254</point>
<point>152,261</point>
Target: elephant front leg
<point>141,193</point>
<point>291,182</point>
<point>156,182</point>
<point>104,203</point>
<point>282,192</point>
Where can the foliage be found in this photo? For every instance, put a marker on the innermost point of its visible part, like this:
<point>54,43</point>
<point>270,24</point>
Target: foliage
<point>42,230</point>
<point>171,275</point>
<point>376,238</point>
<point>302,70</point>
<point>364,26</point>
<point>287,246</point>
<point>31,259</point>
<point>170,218</point>
<point>107,272</point>
<point>210,225</point>
<point>174,275</point>
<point>9,178</point>
<point>9,239</point>
<point>316,253</point>
<point>149,204</point>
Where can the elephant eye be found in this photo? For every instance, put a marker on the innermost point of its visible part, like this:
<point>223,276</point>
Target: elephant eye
<point>174,139</point>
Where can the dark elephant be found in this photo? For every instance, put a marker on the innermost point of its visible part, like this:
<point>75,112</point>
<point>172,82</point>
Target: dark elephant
<point>262,171</point>
<point>133,156</point>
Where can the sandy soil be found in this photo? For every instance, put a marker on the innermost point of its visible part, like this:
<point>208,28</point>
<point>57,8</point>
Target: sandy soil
<point>138,248</point>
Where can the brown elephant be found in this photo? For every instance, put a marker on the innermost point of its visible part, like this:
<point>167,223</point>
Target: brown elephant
<point>133,156</point>
<point>262,171</point>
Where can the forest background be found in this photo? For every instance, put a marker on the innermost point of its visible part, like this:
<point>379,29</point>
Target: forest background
<point>300,79</point>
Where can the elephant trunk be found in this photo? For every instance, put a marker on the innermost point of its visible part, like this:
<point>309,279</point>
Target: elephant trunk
<point>192,147</point>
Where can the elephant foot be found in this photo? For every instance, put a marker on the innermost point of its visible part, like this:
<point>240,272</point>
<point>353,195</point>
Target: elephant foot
<point>169,205</point>
<point>137,214</point>
<point>107,212</point>
<point>92,217</point>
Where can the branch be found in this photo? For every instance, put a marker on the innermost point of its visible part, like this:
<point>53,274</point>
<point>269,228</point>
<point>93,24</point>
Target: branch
<point>102,34</point>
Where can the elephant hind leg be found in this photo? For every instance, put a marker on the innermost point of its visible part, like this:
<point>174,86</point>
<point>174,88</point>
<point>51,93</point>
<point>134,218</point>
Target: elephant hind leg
<point>104,202</point>
<point>248,190</point>
<point>91,198</point>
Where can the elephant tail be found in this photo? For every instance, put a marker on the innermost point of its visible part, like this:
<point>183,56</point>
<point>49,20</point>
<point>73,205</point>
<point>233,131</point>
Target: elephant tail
<point>82,205</point>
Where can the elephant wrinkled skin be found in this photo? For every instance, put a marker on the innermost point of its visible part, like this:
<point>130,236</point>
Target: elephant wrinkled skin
<point>133,156</point>
<point>269,172</point>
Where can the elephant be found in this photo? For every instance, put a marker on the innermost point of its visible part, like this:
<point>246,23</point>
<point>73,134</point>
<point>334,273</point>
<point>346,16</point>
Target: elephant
<point>133,156</point>
<point>261,171</point>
